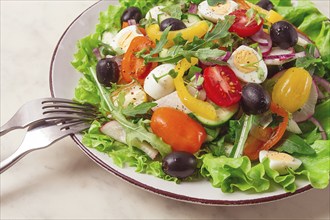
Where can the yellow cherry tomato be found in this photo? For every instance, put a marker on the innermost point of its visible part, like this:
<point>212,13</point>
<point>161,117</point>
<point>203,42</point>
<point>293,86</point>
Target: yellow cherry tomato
<point>198,107</point>
<point>199,30</point>
<point>292,89</point>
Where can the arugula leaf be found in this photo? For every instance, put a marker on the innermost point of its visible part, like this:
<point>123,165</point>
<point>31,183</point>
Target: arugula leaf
<point>161,43</point>
<point>140,109</point>
<point>204,49</point>
<point>215,2</point>
<point>245,125</point>
<point>293,144</point>
<point>221,29</point>
<point>203,54</point>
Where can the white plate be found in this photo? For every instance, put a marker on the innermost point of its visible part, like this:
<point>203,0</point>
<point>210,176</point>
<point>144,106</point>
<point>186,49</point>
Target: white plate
<point>64,78</point>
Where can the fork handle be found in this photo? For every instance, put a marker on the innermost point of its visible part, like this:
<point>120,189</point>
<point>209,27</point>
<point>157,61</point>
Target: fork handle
<point>10,125</point>
<point>12,159</point>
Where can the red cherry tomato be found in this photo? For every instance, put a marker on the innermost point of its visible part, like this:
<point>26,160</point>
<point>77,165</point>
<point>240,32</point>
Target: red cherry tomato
<point>244,26</point>
<point>178,129</point>
<point>133,67</point>
<point>221,85</point>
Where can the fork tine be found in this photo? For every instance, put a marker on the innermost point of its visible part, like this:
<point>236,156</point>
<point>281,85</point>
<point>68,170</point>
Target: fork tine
<point>65,112</point>
<point>70,106</point>
<point>63,101</point>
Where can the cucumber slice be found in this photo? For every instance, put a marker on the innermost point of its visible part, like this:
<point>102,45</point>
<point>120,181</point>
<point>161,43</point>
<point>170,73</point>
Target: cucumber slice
<point>191,19</point>
<point>162,17</point>
<point>223,115</point>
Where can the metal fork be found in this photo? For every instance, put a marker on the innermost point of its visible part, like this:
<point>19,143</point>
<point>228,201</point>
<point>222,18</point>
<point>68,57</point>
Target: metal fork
<point>45,109</point>
<point>42,135</point>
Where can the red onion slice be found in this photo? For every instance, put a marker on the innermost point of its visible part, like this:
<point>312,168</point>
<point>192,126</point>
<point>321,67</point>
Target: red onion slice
<point>319,125</point>
<point>193,9</point>
<point>322,82</point>
<point>264,41</point>
<point>308,109</point>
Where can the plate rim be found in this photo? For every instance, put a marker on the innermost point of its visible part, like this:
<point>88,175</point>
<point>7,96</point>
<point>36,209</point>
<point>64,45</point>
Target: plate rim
<point>149,188</point>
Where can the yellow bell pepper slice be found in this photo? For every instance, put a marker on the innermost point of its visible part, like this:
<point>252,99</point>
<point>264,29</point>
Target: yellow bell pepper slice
<point>199,30</point>
<point>198,107</point>
<point>271,16</point>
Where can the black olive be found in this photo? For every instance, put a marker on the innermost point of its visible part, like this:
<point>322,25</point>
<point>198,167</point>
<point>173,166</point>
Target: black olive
<point>273,69</point>
<point>107,71</point>
<point>266,4</point>
<point>283,34</point>
<point>255,99</point>
<point>179,164</point>
<point>175,24</point>
<point>131,13</point>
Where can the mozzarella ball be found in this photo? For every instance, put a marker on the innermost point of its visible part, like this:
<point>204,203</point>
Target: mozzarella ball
<point>165,84</point>
<point>154,12</point>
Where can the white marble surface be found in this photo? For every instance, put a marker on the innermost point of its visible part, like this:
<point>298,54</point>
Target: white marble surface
<point>61,182</point>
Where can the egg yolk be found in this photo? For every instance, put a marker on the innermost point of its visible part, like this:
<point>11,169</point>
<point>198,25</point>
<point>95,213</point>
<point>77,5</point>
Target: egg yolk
<point>221,9</point>
<point>280,156</point>
<point>246,61</point>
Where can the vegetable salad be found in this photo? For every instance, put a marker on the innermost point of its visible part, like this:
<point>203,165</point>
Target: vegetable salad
<point>232,91</point>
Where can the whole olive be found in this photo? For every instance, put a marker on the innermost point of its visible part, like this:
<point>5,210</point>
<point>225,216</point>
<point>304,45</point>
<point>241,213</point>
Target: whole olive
<point>131,13</point>
<point>107,71</point>
<point>179,164</point>
<point>266,4</point>
<point>255,99</point>
<point>175,24</point>
<point>283,34</point>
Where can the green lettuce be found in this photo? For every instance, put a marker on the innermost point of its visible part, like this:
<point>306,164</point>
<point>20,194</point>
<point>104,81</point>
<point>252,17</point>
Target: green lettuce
<point>286,181</point>
<point>234,173</point>
<point>317,168</point>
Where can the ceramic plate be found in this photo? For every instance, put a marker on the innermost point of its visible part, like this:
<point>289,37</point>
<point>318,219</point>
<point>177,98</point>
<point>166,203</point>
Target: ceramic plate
<point>64,78</point>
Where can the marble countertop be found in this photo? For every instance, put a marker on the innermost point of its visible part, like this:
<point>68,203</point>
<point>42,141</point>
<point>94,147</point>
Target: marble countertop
<point>61,182</point>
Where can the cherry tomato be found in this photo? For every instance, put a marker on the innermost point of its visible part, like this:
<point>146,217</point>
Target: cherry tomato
<point>292,89</point>
<point>132,66</point>
<point>221,85</point>
<point>243,25</point>
<point>178,129</point>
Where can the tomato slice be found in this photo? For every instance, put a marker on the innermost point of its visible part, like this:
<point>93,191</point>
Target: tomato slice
<point>221,85</point>
<point>243,26</point>
<point>265,139</point>
<point>132,66</point>
<point>178,129</point>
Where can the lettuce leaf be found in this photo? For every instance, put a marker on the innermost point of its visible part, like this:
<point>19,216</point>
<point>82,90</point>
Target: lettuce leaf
<point>317,168</point>
<point>322,114</point>
<point>231,173</point>
<point>287,181</point>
